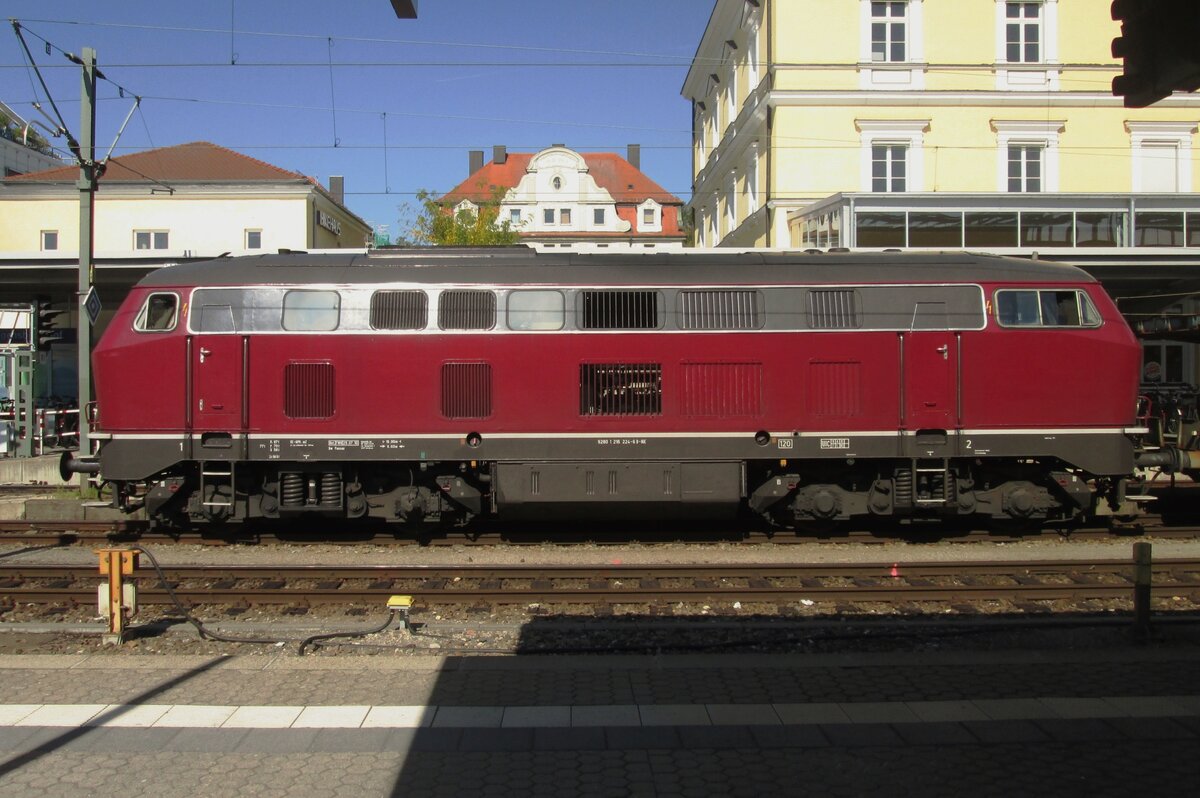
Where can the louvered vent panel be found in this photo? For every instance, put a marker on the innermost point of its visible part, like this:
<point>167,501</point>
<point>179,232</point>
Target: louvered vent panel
<point>721,389</point>
<point>834,309</point>
<point>719,310</point>
<point>620,310</point>
<point>620,389</point>
<point>835,389</point>
<point>467,310</point>
<point>466,390</point>
<point>399,310</point>
<point>308,390</point>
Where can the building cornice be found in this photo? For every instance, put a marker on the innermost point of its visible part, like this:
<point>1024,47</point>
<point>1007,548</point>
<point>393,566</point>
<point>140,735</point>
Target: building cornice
<point>782,98</point>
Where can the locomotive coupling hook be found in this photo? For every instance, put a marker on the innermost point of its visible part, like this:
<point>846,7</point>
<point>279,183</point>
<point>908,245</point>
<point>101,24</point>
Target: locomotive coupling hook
<point>69,465</point>
<point>1168,459</point>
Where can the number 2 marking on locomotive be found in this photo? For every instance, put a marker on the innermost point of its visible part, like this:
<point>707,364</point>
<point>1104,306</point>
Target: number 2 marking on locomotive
<point>969,444</point>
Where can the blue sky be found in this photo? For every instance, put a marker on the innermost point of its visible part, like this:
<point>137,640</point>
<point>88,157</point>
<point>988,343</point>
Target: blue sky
<point>595,75</point>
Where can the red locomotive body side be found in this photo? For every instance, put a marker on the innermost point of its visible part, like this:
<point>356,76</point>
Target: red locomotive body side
<point>759,404</point>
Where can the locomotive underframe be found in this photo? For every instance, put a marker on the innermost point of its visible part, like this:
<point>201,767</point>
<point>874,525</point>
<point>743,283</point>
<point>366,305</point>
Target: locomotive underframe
<point>790,477</point>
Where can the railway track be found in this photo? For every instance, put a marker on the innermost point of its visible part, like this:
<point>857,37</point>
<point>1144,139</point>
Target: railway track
<point>66,533</point>
<point>311,585</point>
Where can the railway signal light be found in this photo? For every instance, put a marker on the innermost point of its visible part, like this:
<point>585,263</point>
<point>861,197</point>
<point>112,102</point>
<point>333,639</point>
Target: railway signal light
<point>1158,44</point>
<point>46,325</point>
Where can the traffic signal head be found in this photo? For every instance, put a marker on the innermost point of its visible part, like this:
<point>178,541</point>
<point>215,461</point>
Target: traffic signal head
<point>1158,44</point>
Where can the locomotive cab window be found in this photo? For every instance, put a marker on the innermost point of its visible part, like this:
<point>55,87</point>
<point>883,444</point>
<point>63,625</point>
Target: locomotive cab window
<point>158,314</point>
<point>536,310</point>
<point>310,311</point>
<point>1046,308</point>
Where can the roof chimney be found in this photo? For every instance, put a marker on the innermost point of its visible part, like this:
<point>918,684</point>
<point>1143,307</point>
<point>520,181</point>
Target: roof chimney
<point>499,154</point>
<point>337,187</point>
<point>633,154</point>
<point>476,161</point>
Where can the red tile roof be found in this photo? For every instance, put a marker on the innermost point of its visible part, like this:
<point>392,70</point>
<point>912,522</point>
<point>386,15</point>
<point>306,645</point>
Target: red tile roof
<point>193,162</point>
<point>625,182</point>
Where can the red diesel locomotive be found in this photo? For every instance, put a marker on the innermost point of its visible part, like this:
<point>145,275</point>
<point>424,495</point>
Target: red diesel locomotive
<point>427,385</point>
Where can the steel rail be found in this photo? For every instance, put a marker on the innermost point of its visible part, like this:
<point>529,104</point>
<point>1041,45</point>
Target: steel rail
<point>913,582</point>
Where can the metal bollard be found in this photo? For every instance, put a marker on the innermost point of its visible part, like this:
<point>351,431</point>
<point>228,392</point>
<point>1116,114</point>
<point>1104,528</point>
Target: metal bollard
<point>117,598</point>
<point>1141,591</point>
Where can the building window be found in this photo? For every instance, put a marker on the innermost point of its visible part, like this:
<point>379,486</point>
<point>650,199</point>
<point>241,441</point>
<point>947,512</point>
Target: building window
<point>49,240</point>
<point>647,216</point>
<point>888,167</point>
<point>1027,155</point>
<point>598,216</point>
<point>254,239</point>
<point>889,32</point>
<point>514,217</point>
<point>150,239</point>
<point>1023,32</point>
<point>1162,155</point>
<point>564,216</point>
<point>548,215</point>
<point>1024,168</point>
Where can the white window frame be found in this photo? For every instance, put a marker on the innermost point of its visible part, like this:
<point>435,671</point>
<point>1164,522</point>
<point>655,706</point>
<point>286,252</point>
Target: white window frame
<point>549,216</point>
<point>731,217</point>
<point>246,238</point>
<point>468,206</point>
<point>514,217</point>
<point>1025,148</point>
<point>153,234</point>
<point>893,75</point>
<point>603,220</point>
<point>1024,76</point>
<point>654,226</point>
<point>910,133</point>
<point>42,240</point>
<point>1144,135</point>
<point>1009,131</point>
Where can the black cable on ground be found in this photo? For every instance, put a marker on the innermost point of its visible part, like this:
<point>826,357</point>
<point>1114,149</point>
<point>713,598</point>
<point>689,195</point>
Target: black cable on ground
<point>306,642</point>
<point>201,629</point>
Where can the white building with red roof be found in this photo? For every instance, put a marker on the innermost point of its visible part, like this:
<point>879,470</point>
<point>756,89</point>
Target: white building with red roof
<point>185,201</point>
<point>562,199</point>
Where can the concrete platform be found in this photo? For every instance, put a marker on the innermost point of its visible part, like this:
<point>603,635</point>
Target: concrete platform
<point>1108,722</point>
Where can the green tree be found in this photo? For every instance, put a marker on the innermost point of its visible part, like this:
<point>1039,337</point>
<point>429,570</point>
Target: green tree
<point>438,225</point>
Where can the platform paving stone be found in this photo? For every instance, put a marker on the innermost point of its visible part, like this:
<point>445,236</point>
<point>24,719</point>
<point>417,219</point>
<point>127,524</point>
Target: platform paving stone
<point>1143,728</point>
<point>1006,731</point>
<point>488,717</point>
<point>1078,729</point>
<point>331,717</point>
<point>811,713</point>
<point>674,715</point>
<point>342,740</point>
<point>392,716</point>
<point>874,712</point>
<point>950,711</point>
<point>536,716</point>
<point>130,715</point>
<point>1078,707</point>
<point>193,716</point>
<point>277,741</point>
<point>617,715</point>
<point>208,740</point>
<point>258,717</point>
<point>861,734</point>
<point>743,714</point>
<point>934,733</point>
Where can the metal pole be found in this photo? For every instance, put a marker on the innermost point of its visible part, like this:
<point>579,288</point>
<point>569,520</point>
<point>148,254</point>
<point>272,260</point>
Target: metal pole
<point>1141,590</point>
<point>87,215</point>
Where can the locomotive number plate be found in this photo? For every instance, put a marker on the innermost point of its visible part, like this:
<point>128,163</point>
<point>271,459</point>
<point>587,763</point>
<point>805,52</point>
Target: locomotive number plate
<point>835,443</point>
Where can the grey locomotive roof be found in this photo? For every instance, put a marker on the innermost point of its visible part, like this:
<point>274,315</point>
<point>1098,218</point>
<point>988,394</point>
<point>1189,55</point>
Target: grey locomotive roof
<point>523,266</point>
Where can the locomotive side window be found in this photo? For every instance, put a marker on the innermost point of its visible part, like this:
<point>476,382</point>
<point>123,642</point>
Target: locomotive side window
<point>467,310</point>
<point>720,309</point>
<point>1047,308</point>
<point>399,310</point>
<point>536,310</point>
<point>158,314</point>
<point>620,310</point>
<point>310,311</point>
<point>215,318</point>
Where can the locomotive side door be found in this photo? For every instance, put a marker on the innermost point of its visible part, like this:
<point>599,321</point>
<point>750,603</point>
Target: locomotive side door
<point>217,366</point>
<point>930,372</point>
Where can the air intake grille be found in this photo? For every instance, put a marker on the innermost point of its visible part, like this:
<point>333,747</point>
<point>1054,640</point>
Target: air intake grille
<point>620,310</point>
<point>834,309</point>
<point>620,389</point>
<point>399,310</point>
<point>308,390</point>
<point>719,310</point>
<point>466,390</point>
<point>467,310</point>
<point>721,389</point>
<point>835,389</point>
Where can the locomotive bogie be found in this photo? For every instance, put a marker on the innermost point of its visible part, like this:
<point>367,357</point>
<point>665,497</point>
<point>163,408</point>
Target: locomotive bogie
<point>519,385</point>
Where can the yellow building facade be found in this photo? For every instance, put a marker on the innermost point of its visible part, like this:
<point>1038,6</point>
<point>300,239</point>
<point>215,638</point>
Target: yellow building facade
<point>797,101</point>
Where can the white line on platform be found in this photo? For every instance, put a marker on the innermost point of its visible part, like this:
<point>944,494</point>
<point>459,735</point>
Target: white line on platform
<point>375,717</point>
